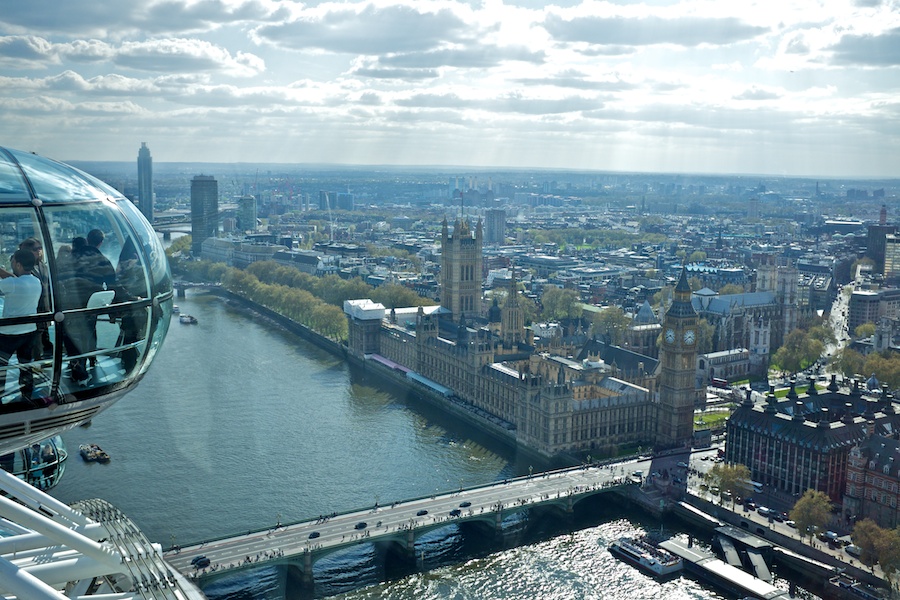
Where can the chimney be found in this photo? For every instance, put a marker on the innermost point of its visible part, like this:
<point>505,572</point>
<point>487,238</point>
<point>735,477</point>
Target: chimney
<point>748,398</point>
<point>798,412</point>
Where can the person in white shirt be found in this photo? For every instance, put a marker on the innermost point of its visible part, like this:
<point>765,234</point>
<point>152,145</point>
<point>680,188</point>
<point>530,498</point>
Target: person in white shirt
<point>21,292</point>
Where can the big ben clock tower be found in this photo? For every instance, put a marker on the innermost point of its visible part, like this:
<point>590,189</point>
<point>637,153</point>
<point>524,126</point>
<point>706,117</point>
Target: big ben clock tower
<point>678,354</point>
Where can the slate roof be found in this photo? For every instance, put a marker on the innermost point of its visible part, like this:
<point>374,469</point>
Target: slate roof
<point>645,315</point>
<point>622,358</point>
<point>724,305</point>
<point>813,431</point>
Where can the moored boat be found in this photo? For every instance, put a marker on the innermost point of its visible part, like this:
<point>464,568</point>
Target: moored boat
<point>187,319</point>
<point>849,588</point>
<point>175,309</point>
<point>93,453</point>
<point>646,556</point>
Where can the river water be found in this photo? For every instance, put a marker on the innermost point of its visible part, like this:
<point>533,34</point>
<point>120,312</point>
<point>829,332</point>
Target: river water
<point>239,425</point>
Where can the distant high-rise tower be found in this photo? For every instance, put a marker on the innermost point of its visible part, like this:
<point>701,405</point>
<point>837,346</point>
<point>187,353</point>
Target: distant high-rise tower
<point>875,241</point>
<point>145,182</point>
<point>461,261</point>
<point>892,256</point>
<point>204,210</point>
<point>247,213</point>
<point>494,226</point>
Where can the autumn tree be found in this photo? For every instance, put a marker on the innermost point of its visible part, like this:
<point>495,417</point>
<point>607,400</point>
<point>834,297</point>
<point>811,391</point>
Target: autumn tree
<point>392,295</point>
<point>888,548</point>
<point>849,362</point>
<point>734,479</point>
<point>705,333</point>
<point>697,256</point>
<point>731,288</point>
<point>611,322</point>
<point>867,534</point>
<point>865,330</point>
<point>561,303</point>
<point>798,352</point>
<point>182,245</point>
<point>811,512</point>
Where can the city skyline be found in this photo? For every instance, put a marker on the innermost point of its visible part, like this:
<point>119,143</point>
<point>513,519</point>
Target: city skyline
<point>782,88</point>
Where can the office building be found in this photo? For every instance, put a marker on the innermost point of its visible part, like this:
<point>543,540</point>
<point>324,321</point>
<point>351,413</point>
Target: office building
<point>891,256</point>
<point>247,213</point>
<point>204,210</point>
<point>805,440</point>
<point>494,226</point>
<point>145,182</point>
<point>876,244</point>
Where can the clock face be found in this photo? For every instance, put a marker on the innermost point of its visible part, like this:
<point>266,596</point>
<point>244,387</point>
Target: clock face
<point>670,335</point>
<point>689,336</point>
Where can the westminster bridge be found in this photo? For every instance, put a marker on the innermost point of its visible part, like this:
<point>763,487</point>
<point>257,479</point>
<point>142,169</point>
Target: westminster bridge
<point>395,527</point>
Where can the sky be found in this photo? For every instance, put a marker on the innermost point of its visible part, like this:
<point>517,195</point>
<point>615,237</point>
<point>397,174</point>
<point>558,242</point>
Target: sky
<point>778,87</point>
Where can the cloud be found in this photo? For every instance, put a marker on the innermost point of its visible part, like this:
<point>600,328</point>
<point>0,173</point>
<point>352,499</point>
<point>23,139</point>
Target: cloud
<point>882,50</point>
<point>757,93</point>
<point>165,55</point>
<point>577,80</point>
<point>650,30</point>
<point>472,56</point>
<point>605,50</point>
<point>107,85</point>
<point>402,74</point>
<point>24,51</point>
<point>89,17</point>
<point>796,45</point>
<point>370,99</point>
<point>186,55</point>
<point>56,106</point>
<point>208,14</point>
<point>512,103</point>
<point>86,50</point>
<point>368,29</point>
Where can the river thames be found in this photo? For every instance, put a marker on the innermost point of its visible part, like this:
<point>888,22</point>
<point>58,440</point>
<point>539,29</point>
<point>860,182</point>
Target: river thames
<point>240,425</point>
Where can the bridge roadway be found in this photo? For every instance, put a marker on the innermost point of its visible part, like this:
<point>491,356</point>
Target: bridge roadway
<point>304,542</point>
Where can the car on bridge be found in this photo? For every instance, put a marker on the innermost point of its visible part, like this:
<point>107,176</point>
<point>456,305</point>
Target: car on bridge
<point>455,512</point>
<point>200,562</point>
<point>465,504</point>
<point>313,535</point>
<point>361,525</point>
<point>422,513</point>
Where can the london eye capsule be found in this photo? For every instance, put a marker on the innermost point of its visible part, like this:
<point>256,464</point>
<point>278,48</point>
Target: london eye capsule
<point>105,299</point>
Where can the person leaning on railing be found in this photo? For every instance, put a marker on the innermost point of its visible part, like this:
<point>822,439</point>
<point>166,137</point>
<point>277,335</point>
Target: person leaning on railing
<point>21,293</point>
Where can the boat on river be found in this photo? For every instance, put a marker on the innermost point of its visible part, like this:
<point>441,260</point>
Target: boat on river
<point>646,556</point>
<point>850,589</point>
<point>93,453</point>
<point>187,319</point>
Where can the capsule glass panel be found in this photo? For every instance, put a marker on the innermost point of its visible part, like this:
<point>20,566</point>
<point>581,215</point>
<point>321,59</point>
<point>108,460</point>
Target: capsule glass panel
<point>99,310</point>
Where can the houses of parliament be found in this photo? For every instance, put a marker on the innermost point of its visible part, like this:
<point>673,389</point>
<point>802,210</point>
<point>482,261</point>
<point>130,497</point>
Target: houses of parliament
<point>551,404</point>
